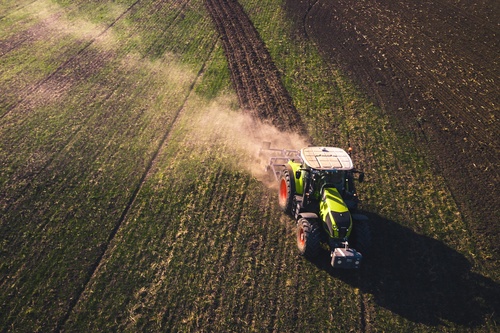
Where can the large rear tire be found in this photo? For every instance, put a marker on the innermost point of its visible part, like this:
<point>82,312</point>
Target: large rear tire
<point>308,237</point>
<point>286,191</point>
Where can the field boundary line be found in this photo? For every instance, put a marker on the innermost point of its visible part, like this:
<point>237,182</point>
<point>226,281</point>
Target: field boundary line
<point>94,268</point>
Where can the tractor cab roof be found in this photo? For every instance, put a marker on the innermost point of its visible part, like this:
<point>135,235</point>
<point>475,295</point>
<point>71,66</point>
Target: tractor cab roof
<point>326,158</point>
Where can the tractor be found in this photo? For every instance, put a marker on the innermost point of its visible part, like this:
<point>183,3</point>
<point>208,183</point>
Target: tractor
<point>316,188</point>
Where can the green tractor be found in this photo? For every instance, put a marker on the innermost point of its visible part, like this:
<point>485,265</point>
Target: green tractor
<point>316,187</point>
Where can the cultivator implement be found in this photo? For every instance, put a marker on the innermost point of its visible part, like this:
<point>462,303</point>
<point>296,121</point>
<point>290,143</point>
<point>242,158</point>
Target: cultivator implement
<point>278,158</point>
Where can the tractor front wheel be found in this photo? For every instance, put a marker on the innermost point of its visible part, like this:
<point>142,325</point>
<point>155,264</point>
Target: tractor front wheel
<point>308,237</point>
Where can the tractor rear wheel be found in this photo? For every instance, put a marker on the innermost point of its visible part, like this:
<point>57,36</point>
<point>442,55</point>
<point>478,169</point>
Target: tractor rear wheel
<point>308,237</point>
<point>286,192</point>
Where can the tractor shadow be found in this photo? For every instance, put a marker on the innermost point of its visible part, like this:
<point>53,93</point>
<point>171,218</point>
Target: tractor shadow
<point>420,278</point>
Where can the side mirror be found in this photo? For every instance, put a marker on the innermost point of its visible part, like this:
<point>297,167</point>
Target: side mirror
<point>361,177</point>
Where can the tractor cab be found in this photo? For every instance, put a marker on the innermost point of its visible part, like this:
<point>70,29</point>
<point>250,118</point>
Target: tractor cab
<point>327,167</point>
<point>326,158</point>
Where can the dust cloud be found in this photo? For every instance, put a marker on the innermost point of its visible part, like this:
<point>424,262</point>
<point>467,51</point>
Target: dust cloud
<point>243,136</point>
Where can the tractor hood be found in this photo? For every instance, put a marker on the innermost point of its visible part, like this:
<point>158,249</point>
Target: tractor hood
<point>335,213</point>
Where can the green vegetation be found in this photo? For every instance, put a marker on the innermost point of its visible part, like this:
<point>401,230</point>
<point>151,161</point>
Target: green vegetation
<point>121,209</point>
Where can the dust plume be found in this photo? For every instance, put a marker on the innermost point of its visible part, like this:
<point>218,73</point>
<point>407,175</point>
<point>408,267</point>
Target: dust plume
<point>243,136</point>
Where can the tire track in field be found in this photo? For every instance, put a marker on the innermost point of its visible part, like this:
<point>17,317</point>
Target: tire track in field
<point>29,35</point>
<point>69,63</point>
<point>7,203</point>
<point>255,77</point>
<point>16,8</point>
<point>93,269</point>
<point>39,85</point>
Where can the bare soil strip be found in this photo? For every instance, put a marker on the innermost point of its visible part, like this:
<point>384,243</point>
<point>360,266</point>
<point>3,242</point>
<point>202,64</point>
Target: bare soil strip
<point>253,73</point>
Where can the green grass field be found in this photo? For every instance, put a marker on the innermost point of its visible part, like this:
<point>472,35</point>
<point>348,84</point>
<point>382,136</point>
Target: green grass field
<point>130,202</point>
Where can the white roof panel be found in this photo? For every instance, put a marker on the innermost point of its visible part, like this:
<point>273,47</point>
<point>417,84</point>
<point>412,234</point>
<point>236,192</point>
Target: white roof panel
<point>326,158</point>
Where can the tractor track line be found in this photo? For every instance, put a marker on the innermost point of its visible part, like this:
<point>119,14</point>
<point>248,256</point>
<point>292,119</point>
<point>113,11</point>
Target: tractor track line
<point>94,268</point>
<point>148,50</point>
<point>82,125</point>
<point>15,44</point>
<point>17,9</point>
<point>11,202</point>
<point>22,190</point>
<point>68,61</point>
<point>306,17</point>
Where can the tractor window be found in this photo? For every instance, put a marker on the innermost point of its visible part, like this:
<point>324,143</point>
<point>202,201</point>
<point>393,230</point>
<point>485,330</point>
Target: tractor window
<point>334,177</point>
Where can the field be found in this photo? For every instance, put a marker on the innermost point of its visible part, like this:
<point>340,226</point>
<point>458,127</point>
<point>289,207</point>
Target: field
<point>132,197</point>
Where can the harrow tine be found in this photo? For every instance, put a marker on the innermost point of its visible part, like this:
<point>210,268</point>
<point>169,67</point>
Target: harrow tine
<point>278,158</point>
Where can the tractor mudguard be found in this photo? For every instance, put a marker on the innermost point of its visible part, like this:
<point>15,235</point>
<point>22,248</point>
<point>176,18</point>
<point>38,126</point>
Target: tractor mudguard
<point>307,215</point>
<point>299,183</point>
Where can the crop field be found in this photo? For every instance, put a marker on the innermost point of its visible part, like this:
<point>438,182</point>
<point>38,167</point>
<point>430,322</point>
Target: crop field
<point>133,197</point>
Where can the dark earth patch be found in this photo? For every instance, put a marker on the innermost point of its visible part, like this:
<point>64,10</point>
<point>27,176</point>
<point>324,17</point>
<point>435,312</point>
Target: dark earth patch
<point>433,67</point>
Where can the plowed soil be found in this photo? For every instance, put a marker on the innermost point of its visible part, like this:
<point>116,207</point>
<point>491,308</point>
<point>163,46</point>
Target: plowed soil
<point>433,66</point>
<point>253,73</point>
